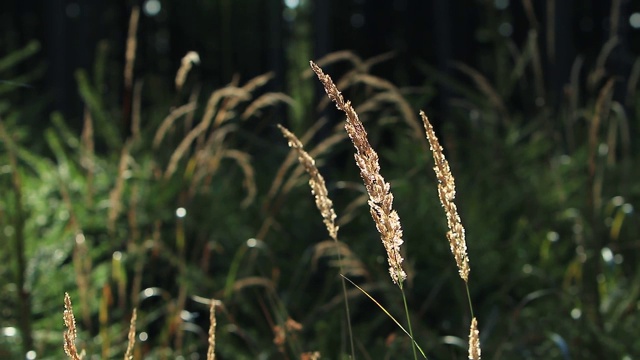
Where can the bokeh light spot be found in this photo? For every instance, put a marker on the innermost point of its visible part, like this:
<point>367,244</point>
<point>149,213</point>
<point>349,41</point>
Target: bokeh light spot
<point>292,4</point>
<point>9,331</point>
<point>576,313</point>
<point>634,20</point>
<point>501,4</point>
<point>152,7</point>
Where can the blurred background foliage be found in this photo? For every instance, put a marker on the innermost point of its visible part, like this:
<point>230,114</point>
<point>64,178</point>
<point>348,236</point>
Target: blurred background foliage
<point>127,189</point>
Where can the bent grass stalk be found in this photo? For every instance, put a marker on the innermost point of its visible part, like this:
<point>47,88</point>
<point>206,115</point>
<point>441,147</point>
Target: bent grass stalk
<point>325,206</point>
<point>380,197</point>
<point>456,234</point>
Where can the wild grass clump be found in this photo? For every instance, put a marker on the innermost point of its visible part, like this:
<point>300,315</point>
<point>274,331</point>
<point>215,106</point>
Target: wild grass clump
<point>71,333</point>
<point>381,201</point>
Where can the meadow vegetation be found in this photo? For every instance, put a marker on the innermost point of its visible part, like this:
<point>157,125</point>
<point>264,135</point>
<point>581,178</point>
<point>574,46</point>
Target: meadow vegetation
<point>181,225</point>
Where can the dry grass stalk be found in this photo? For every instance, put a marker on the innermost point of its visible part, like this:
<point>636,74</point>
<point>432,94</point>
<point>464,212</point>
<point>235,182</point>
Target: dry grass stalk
<point>360,68</point>
<point>136,112</point>
<point>380,197</point>
<point>193,99</point>
<point>128,355</point>
<point>249,87</point>
<point>346,55</point>
<point>115,196</point>
<point>334,57</point>
<point>252,281</point>
<point>88,151</point>
<point>208,159</point>
<point>474,341</point>
<point>132,217</point>
<point>224,113</point>
<point>130,54</point>
<point>187,62</point>
<point>169,120</point>
<point>600,70</point>
<point>485,86</point>
<point>447,193</point>
<point>375,60</point>
<point>202,127</point>
<point>373,81</point>
<point>406,112</point>
<point>212,331</point>
<point>70,334</point>
<point>244,161</point>
<point>317,183</point>
<point>82,267</point>
<point>258,81</point>
<point>266,100</point>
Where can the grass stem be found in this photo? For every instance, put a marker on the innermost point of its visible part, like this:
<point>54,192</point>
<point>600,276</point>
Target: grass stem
<point>406,310</point>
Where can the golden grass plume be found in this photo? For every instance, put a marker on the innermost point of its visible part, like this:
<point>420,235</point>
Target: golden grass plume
<point>474,340</point>
<point>130,54</point>
<point>212,331</point>
<point>70,334</point>
<point>316,181</point>
<point>380,197</point>
<point>447,193</point>
<point>128,355</point>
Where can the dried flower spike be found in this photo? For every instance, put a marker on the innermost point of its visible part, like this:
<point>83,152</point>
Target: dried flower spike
<point>128,355</point>
<point>317,183</point>
<point>211,350</point>
<point>187,62</point>
<point>71,333</point>
<point>474,341</point>
<point>380,197</point>
<point>447,193</point>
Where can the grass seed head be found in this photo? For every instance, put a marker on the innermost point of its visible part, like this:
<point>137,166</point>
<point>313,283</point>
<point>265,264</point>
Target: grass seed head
<point>380,198</point>
<point>447,193</point>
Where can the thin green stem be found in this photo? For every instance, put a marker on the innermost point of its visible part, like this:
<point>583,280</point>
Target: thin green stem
<point>346,302</point>
<point>466,285</point>
<point>389,315</point>
<point>406,310</point>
